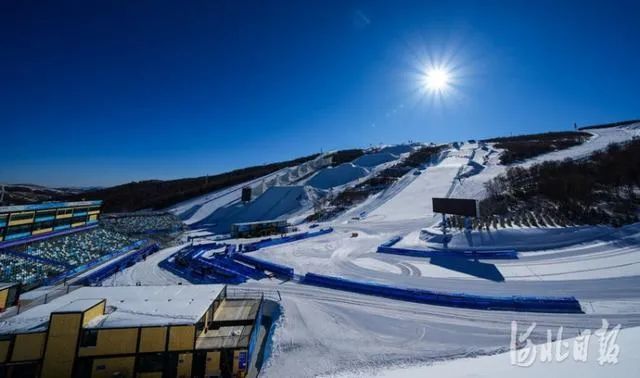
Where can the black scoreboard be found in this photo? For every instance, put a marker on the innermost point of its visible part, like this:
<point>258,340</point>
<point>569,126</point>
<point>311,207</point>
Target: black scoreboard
<point>456,206</point>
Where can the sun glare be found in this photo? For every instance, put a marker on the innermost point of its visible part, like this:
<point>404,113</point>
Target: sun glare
<point>437,79</point>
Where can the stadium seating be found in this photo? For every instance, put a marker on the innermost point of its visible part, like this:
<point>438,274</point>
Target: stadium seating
<point>143,223</point>
<point>70,250</point>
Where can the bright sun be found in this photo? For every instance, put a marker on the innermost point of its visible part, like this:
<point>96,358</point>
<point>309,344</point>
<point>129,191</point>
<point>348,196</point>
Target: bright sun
<point>437,79</point>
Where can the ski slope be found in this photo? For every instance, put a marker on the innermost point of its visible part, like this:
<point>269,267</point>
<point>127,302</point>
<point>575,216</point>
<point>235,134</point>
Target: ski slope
<point>197,209</point>
<point>325,332</point>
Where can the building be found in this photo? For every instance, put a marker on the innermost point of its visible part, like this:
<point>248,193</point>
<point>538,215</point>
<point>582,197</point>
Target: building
<point>259,228</point>
<point>8,295</point>
<point>24,221</point>
<point>135,331</point>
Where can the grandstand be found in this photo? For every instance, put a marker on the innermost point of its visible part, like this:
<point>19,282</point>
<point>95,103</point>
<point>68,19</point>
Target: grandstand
<point>31,263</point>
<point>142,223</point>
<point>26,221</point>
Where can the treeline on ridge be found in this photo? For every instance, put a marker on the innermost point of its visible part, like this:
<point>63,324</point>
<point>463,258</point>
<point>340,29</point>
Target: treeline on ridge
<point>159,194</point>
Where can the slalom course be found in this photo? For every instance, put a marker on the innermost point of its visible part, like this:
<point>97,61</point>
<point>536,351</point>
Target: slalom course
<point>477,302</point>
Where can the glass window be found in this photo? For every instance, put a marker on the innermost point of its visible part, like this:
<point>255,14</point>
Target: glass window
<point>21,216</point>
<point>19,229</point>
<point>151,362</point>
<point>89,338</point>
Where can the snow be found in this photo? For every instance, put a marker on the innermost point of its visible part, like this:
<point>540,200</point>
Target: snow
<point>127,306</point>
<point>278,202</point>
<point>336,176</point>
<point>500,365</point>
<point>325,332</point>
<point>197,209</point>
<point>397,149</point>
<point>372,160</point>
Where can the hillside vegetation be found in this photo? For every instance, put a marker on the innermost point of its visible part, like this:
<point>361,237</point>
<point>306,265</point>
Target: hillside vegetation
<point>608,125</point>
<point>605,188</point>
<point>522,147</point>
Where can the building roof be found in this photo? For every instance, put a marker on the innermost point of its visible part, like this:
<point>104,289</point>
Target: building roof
<point>237,336</point>
<point>237,310</point>
<point>126,306</point>
<point>47,205</point>
<point>4,285</point>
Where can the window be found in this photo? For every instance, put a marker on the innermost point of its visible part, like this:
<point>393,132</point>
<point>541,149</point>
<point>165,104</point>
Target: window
<point>21,216</point>
<point>19,229</point>
<point>89,338</point>
<point>148,363</point>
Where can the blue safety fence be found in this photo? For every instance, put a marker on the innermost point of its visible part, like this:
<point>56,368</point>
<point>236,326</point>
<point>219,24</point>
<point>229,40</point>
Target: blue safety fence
<point>391,242</point>
<point>268,242</point>
<point>223,274</point>
<point>279,270</point>
<point>190,263</point>
<point>239,268</point>
<point>34,258</point>
<point>109,269</point>
<point>505,254</point>
<point>479,302</point>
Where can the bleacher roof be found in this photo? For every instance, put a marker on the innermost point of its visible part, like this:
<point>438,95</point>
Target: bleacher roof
<point>126,306</point>
<point>47,205</point>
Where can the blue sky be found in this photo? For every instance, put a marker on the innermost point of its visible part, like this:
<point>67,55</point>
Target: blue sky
<point>106,92</point>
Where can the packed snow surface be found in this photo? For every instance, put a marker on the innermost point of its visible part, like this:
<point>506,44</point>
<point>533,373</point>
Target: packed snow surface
<point>375,159</point>
<point>336,176</point>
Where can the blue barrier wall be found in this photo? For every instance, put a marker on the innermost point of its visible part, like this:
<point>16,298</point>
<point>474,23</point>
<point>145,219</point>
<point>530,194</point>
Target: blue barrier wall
<point>391,242</point>
<point>513,303</point>
<point>507,254</point>
<point>278,269</point>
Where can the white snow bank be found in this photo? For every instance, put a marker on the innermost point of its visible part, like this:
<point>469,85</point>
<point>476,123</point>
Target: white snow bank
<point>336,176</point>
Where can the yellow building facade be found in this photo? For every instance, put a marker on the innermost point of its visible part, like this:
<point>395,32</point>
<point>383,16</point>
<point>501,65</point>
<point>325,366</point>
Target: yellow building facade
<point>158,331</point>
